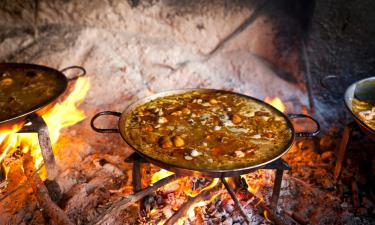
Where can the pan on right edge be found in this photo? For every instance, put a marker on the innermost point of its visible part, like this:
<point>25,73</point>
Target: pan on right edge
<point>355,105</point>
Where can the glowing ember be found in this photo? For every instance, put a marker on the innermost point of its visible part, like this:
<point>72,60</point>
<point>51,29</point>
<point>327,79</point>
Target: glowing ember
<point>258,180</point>
<point>61,115</point>
<point>194,193</point>
<point>201,198</point>
<point>191,211</point>
<point>187,190</point>
<point>275,102</point>
<point>254,185</point>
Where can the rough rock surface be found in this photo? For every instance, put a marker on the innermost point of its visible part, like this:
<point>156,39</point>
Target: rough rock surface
<point>341,43</point>
<point>132,52</point>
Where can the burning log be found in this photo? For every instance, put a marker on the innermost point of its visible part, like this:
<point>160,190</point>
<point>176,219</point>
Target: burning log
<point>49,207</point>
<point>203,196</point>
<point>124,202</point>
<point>340,154</point>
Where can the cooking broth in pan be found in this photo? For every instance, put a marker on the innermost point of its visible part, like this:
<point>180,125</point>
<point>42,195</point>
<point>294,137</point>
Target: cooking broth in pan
<point>365,111</point>
<point>24,90</point>
<point>208,130</point>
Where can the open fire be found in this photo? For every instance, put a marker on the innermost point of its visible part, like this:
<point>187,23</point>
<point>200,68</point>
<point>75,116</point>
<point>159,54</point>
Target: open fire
<point>66,113</point>
<point>13,145</point>
<point>282,49</point>
<point>188,200</point>
<point>276,102</point>
<point>192,187</point>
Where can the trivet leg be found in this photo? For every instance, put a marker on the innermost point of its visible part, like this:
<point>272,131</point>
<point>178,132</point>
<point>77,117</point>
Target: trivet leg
<point>276,188</point>
<point>39,126</point>
<point>340,154</point>
<point>46,149</point>
<point>137,176</point>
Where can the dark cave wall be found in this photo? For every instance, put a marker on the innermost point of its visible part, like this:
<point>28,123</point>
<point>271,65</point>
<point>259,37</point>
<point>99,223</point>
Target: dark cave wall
<point>341,43</point>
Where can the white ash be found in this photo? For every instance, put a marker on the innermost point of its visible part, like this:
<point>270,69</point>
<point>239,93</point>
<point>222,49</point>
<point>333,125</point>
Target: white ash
<point>114,170</point>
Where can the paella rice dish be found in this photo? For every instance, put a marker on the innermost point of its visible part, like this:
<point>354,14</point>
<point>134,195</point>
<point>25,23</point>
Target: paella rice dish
<point>208,130</point>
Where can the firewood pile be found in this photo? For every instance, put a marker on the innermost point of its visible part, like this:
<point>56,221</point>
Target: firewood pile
<point>97,178</point>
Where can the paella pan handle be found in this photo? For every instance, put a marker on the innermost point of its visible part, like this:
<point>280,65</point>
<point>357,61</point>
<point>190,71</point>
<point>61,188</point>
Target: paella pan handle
<point>104,130</point>
<point>306,134</point>
<point>78,68</point>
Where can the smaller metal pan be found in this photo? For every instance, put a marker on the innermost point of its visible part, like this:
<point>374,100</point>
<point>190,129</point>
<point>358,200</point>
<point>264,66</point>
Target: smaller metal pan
<point>16,122</point>
<point>350,93</point>
<point>349,96</point>
<point>200,172</point>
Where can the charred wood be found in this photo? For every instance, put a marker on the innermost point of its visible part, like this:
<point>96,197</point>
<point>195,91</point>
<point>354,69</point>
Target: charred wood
<point>56,214</point>
<point>203,196</point>
<point>129,200</point>
<point>54,190</point>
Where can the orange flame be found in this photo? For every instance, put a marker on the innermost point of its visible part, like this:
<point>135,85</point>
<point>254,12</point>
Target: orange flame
<point>3,136</point>
<point>161,174</point>
<point>61,115</point>
<point>190,213</point>
<point>265,212</point>
<point>161,222</point>
<point>253,186</point>
<point>275,102</point>
<point>257,181</point>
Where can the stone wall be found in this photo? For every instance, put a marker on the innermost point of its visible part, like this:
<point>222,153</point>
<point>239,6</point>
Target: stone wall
<point>141,47</point>
<point>132,51</point>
